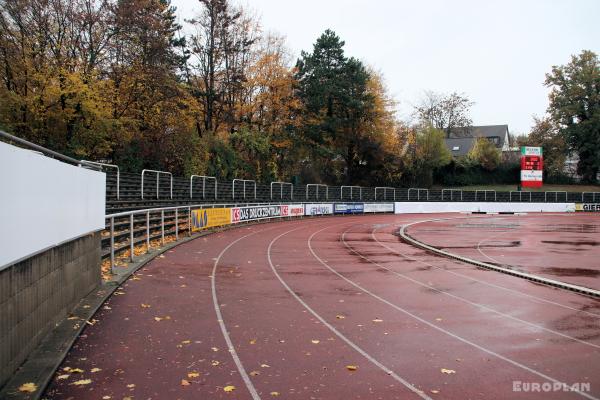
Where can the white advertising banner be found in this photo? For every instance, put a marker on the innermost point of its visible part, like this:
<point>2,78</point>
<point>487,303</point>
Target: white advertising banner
<point>531,175</point>
<point>295,210</point>
<point>45,202</point>
<point>318,209</point>
<point>379,207</point>
<point>415,207</point>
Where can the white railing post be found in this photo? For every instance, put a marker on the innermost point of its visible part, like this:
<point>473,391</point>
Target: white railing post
<point>148,232</point>
<point>112,245</point>
<point>131,244</point>
<point>157,181</point>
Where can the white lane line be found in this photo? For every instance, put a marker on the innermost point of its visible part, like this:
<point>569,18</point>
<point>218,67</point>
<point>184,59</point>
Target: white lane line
<point>230,347</point>
<point>455,336</point>
<point>388,371</point>
<point>494,285</point>
<point>459,298</point>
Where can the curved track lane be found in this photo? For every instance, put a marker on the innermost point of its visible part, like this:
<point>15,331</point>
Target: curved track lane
<point>283,309</point>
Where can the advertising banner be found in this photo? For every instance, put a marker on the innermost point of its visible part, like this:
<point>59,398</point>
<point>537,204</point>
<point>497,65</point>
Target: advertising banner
<point>294,210</point>
<point>210,217</point>
<point>239,214</point>
<point>318,209</point>
<point>349,208</point>
<point>379,207</point>
<point>587,207</point>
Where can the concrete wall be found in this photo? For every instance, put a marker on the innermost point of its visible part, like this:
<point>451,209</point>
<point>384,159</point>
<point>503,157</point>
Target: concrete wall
<point>38,292</point>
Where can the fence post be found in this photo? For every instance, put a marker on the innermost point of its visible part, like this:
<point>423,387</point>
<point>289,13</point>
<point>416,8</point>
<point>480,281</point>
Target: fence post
<point>112,244</point>
<point>162,227</point>
<point>147,232</point>
<point>176,225</point>
<point>131,237</point>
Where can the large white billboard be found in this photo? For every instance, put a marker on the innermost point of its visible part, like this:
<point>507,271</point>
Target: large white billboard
<point>45,202</point>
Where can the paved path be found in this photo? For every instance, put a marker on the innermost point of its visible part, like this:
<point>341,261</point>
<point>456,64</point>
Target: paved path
<point>330,308</point>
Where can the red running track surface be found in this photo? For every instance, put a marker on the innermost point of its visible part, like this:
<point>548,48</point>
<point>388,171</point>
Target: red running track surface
<point>563,247</point>
<point>281,310</point>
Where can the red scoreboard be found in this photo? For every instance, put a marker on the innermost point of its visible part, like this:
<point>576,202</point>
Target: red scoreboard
<point>532,166</point>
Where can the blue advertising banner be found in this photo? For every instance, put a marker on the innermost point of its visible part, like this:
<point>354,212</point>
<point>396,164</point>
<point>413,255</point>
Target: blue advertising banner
<point>348,208</point>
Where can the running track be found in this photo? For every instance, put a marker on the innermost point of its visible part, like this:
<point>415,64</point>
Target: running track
<point>280,310</point>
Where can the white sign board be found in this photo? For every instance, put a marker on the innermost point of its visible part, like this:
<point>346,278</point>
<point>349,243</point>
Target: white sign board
<point>45,202</point>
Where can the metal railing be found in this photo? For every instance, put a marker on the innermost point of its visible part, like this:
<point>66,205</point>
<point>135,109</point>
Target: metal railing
<point>418,190</point>
<point>106,165</point>
<point>351,192</point>
<point>243,181</point>
<point>317,186</point>
<point>593,196</point>
<point>204,178</point>
<point>485,192</point>
<point>556,193</point>
<point>385,189</point>
<point>452,193</point>
<point>520,195</point>
<point>43,150</point>
<point>281,185</point>
<point>158,173</point>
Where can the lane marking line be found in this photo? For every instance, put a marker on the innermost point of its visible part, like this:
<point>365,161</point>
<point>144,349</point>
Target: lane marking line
<point>230,347</point>
<point>460,338</point>
<point>387,370</point>
<point>459,298</point>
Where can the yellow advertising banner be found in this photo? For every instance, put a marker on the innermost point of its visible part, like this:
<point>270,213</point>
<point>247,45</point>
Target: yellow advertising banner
<point>210,217</point>
<point>586,207</point>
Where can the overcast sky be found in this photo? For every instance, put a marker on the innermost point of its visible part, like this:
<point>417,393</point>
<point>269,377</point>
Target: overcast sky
<point>495,52</point>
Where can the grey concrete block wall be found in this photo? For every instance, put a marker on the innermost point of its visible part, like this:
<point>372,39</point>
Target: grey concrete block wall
<point>37,293</point>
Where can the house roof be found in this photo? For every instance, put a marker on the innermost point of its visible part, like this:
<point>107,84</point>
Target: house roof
<point>461,140</point>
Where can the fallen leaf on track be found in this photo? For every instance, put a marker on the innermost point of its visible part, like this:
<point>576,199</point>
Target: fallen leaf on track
<point>274,394</point>
<point>193,374</point>
<point>186,342</point>
<point>351,367</point>
<point>131,385</point>
<point>66,376</point>
<point>229,388</point>
<point>145,305</point>
<point>252,341</point>
<point>254,373</point>
<point>435,391</point>
<point>185,382</point>
<point>340,316</point>
<point>76,371</point>
<point>377,320</point>
<point>315,341</point>
<point>214,348</point>
<point>265,366</point>
<point>82,382</point>
<point>158,319</point>
<point>29,387</point>
<point>215,363</point>
<point>447,371</point>
<point>95,370</point>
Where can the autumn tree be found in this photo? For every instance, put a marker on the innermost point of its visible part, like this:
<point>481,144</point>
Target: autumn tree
<point>430,153</point>
<point>485,153</point>
<point>575,108</point>
<point>546,134</point>
<point>448,112</point>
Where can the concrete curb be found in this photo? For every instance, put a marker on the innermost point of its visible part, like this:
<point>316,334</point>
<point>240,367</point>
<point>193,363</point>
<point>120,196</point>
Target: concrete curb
<point>523,275</point>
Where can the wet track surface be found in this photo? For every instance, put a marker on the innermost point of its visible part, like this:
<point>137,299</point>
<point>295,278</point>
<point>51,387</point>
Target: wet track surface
<point>562,247</point>
<point>281,310</point>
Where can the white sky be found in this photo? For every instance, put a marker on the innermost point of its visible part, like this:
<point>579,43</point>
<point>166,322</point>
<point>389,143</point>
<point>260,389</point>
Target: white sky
<point>495,51</point>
